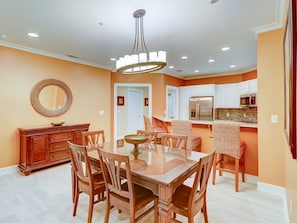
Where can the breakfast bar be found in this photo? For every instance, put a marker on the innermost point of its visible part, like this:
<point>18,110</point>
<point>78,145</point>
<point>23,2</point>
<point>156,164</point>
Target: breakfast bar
<point>248,132</point>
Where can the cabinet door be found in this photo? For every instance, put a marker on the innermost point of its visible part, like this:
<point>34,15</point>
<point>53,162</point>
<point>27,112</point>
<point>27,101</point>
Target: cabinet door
<point>184,95</point>
<point>231,97</point>
<point>78,137</point>
<point>247,87</point>
<point>39,152</point>
<point>226,96</point>
<point>203,90</point>
<point>219,97</point>
<point>208,90</point>
<point>253,85</point>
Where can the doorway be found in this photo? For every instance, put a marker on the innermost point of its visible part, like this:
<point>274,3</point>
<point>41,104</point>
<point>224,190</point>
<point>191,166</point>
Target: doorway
<point>172,95</point>
<point>135,112</point>
<point>133,107</point>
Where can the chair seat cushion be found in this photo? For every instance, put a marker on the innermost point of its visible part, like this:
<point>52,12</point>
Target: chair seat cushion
<point>181,197</point>
<point>158,129</point>
<point>143,196</point>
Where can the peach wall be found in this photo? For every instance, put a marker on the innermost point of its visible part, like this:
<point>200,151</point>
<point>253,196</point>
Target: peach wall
<point>20,71</point>
<point>276,165</point>
<point>271,86</point>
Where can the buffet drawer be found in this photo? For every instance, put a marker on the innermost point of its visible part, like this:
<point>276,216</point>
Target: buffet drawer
<point>62,154</point>
<point>58,146</point>
<point>64,136</point>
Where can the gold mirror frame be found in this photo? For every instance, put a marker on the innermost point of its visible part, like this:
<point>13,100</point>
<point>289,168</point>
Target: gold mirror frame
<point>38,107</point>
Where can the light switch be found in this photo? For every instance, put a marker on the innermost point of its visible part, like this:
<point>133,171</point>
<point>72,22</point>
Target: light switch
<point>101,112</point>
<point>274,119</point>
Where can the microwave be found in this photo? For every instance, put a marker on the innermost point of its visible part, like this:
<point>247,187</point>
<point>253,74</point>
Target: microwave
<point>248,100</point>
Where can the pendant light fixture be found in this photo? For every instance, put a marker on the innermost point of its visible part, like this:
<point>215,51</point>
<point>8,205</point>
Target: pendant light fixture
<point>140,60</point>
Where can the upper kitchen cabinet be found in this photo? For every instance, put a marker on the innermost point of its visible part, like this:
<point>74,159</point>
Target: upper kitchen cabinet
<point>184,96</point>
<point>203,90</point>
<point>226,96</point>
<point>247,87</point>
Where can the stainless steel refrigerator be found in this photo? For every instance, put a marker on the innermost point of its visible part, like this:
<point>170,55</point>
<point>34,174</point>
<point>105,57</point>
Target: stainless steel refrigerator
<point>201,108</point>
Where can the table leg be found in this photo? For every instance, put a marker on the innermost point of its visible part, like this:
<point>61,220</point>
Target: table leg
<point>165,205</point>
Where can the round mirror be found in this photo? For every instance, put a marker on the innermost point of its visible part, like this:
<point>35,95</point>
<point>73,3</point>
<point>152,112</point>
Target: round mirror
<point>51,97</point>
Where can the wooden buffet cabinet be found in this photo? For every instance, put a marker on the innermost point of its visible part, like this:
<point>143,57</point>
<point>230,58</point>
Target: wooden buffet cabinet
<point>46,146</point>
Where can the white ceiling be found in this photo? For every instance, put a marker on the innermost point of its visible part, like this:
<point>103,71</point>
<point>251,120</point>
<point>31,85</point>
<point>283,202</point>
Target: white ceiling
<point>193,28</point>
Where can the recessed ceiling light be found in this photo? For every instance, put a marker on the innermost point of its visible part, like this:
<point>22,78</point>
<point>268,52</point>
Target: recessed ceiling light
<point>211,60</point>
<point>184,57</point>
<point>213,1</point>
<point>171,67</point>
<point>196,71</point>
<point>35,35</point>
<point>226,48</point>
<point>113,59</point>
<point>232,66</point>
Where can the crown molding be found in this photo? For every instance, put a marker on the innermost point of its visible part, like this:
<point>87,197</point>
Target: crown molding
<point>50,54</point>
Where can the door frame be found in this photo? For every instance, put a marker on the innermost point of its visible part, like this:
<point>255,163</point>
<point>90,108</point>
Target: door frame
<point>128,85</point>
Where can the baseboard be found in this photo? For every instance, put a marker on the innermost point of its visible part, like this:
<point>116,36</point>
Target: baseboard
<point>278,191</point>
<point>8,170</point>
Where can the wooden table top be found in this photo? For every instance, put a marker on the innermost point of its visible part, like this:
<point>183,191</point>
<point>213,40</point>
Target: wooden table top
<point>155,162</point>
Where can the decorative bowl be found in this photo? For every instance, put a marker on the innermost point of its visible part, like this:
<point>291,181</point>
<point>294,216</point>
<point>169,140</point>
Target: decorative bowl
<point>57,123</point>
<point>135,140</point>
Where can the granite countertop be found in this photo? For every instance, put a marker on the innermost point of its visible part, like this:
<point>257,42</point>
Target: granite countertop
<point>202,122</point>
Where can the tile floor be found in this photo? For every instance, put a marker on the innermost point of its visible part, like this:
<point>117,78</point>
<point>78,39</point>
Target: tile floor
<point>45,197</point>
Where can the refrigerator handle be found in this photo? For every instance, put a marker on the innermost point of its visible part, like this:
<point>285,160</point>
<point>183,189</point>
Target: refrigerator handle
<point>197,110</point>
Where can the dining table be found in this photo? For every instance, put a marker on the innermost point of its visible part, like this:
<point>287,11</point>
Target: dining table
<point>156,167</point>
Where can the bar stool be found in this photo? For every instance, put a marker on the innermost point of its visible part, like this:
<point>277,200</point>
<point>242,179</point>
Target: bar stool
<point>227,141</point>
<point>184,127</point>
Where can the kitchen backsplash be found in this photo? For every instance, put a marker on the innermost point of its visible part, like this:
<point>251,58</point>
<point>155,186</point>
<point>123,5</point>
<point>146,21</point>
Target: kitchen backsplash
<point>248,114</point>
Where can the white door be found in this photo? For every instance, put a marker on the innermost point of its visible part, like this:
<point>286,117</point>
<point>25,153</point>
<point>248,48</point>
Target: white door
<point>171,102</point>
<point>135,110</point>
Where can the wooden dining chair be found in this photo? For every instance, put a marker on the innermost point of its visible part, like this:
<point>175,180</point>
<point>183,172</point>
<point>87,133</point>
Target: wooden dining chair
<point>230,150</point>
<point>127,197</point>
<point>174,140</point>
<point>188,201</point>
<point>89,139</point>
<point>87,182</point>
<point>150,134</point>
<point>93,138</point>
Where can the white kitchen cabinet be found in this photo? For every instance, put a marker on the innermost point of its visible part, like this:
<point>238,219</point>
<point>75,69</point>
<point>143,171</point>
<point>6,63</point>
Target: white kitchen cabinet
<point>203,90</point>
<point>227,96</point>
<point>247,87</point>
<point>184,96</point>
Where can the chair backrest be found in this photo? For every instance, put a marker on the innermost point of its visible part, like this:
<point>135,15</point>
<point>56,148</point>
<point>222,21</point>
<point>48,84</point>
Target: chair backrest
<point>112,167</point>
<point>226,138</point>
<point>199,187</point>
<point>183,127</point>
<point>81,166</point>
<point>147,123</point>
<point>90,138</point>
<point>151,135</point>
<point>174,140</point>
